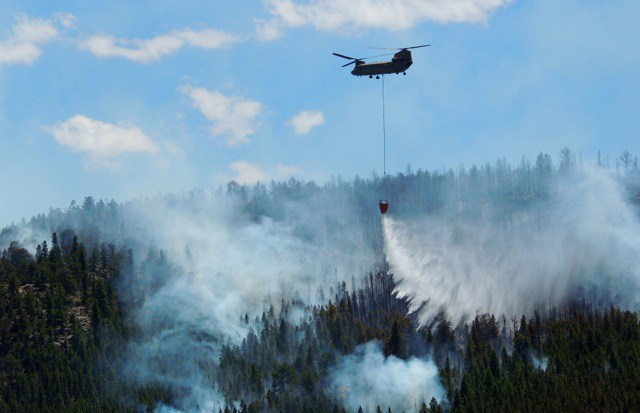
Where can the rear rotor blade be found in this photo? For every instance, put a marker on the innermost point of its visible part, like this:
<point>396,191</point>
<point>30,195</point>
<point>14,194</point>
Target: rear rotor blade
<point>350,63</point>
<point>379,55</point>
<point>344,57</point>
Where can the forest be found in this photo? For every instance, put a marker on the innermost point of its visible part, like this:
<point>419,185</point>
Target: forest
<point>291,297</point>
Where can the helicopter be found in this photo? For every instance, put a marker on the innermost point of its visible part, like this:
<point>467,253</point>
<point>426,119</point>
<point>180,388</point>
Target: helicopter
<point>399,63</point>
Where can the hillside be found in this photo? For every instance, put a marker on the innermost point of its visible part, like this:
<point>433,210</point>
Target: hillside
<point>496,288</point>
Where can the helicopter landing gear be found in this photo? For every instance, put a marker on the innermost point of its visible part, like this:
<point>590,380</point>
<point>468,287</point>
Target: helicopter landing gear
<point>404,73</point>
<point>377,77</point>
<point>370,76</point>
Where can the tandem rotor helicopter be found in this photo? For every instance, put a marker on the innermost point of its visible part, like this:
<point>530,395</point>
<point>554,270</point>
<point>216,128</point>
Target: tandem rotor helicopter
<point>398,64</point>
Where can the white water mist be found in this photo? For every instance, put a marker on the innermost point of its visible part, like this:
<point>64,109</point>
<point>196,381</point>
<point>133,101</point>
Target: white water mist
<point>588,241</point>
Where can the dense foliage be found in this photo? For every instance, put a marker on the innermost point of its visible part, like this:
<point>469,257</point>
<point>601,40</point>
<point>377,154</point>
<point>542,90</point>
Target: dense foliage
<point>578,359</point>
<point>60,326</point>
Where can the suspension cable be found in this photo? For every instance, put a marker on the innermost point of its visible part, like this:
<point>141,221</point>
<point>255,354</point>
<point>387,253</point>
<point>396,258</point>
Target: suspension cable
<point>384,135</point>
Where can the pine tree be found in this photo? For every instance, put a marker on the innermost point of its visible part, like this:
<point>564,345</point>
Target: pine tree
<point>395,344</point>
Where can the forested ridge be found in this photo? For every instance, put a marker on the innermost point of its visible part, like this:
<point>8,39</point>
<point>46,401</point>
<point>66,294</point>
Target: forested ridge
<point>69,303</point>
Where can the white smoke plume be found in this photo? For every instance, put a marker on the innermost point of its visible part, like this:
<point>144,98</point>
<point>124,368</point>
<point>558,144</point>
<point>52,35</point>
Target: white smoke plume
<point>25,236</point>
<point>223,266</point>
<point>368,379</point>
<point>585,238</point>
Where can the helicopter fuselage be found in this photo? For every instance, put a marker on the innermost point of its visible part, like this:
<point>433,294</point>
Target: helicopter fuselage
<point>401,61</point>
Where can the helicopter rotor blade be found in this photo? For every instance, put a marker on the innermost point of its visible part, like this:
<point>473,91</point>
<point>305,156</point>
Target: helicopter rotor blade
<point>417,47</point>
<point>360,59</point>
<point>399,48</point>
<point>379,55</point>
<point>344,57</point>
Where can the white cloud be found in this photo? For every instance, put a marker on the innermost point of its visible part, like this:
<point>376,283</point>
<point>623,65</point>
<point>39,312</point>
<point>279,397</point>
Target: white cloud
<point>147,50</point>
<point>233,116</point>
<point>28,36</point>
<point>100,140</point>
<point>136,50</point>
<point>353,15</point>
<point>304,121</point>
<point>208,38</point>
<point>268,30</point>
<point>67,20</point>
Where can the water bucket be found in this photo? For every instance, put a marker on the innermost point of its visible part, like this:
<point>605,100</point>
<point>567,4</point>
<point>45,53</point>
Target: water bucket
<point>384,205</point>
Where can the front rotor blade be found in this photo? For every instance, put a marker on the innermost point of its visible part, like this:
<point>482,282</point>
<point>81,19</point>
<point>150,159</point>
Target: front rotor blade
<point>344,57</point>
<point>417,47</point>
<point>350,63</point>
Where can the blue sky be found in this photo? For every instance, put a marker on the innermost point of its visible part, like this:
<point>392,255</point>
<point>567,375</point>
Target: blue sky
<point>121,99</point>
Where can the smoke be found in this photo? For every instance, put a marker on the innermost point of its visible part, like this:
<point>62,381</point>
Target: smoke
<point>220,265</point>
<point>540,362</point>
<point>26,237</point>
<point>366,378</point>
<point>584,240</point>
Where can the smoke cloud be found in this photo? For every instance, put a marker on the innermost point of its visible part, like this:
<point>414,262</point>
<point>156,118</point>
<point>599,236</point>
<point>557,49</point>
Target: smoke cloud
<point>226,266</point>
<point>368,379</point>
<point>26,237</point>
<point>584,240</point>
